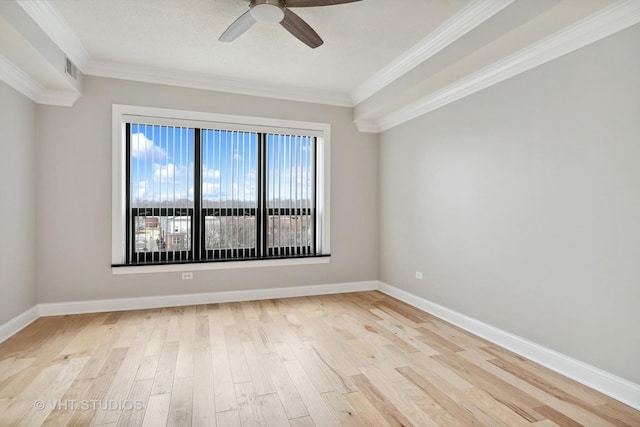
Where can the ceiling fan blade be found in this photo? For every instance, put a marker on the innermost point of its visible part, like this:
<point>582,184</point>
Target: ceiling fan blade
<point>238,28</point>
<point>313,3</point>
<point>300,29</point>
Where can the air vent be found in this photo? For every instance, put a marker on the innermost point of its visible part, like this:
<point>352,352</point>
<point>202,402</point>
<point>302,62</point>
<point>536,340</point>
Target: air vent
<point>71,69</point>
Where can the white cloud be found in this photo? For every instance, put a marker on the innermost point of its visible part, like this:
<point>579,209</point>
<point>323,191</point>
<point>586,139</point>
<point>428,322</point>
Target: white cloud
<point>210,173</point>
<point>165,183</point>
<point>250,188</point>
<point>210,189</point>
<point>141,190</point>
<point>143,148</point>
<point>164,173</point>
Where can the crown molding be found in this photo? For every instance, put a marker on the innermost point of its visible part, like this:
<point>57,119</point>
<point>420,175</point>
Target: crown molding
<point>607,21</point>
<point>470,17</point>
<point>13,75</point>
<point>60,98</point>
<point>45,14</point>
<point>367,126</point>
<point>207,82</point>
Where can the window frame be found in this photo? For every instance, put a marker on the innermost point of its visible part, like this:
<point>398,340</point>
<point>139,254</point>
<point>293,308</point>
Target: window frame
<point>121,114</point>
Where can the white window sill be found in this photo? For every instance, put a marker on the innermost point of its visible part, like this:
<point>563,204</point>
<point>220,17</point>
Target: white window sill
<point>171,268</point>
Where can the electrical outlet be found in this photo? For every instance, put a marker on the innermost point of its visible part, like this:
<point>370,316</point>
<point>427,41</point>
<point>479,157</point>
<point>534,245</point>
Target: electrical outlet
<point>187,276</point>
<point>419,275</point>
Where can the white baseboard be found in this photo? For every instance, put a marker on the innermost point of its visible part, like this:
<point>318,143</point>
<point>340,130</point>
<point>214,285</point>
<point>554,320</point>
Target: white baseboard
<point>15,325</point>
<point>605,382</point>
<point>618,388</point>
<point>97,306</point>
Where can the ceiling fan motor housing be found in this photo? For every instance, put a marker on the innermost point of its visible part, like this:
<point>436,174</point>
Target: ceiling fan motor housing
<point>267,10</point>
<point>277,11</point>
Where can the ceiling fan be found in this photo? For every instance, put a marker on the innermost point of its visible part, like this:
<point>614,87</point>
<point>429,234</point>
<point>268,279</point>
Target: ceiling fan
<point>277,11</point>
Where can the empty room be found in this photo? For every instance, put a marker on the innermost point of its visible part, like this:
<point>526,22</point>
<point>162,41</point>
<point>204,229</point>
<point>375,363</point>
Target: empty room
<point>320,213</point>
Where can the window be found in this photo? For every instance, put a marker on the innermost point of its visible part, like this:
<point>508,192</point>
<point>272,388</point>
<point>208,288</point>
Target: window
<point>203,188</point>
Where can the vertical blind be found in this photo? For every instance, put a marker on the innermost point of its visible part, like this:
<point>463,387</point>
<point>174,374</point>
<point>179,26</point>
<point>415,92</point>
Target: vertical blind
<point>229,193</point>
<point>290,188</point>
<point>162,203</point>
<point>198,194</point>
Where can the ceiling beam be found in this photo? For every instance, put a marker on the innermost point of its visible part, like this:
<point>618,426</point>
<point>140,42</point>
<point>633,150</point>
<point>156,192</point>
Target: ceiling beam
<point>473,15</point>
<point>44,13</point>
<point>609,20</point>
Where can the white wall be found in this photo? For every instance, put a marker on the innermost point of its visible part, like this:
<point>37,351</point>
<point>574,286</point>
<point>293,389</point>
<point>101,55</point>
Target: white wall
<point>74,185</point>
<point>521,205</point>
<point>17,203</point>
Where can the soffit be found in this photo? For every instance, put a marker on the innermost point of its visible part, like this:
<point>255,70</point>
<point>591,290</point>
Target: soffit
<point>391,61</point>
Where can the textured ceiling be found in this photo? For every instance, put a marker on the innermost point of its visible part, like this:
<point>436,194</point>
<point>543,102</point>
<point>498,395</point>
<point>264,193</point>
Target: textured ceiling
<point>360,38</point>
<point>391,60</point>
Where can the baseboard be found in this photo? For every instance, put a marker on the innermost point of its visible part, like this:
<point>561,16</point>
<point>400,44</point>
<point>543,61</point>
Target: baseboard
<point>97,306</point>
<point>15,325</point>
<point>618,388</point>
<point>605,382</point>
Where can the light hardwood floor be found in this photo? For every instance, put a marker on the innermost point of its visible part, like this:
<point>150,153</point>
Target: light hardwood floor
<point>356,359</point>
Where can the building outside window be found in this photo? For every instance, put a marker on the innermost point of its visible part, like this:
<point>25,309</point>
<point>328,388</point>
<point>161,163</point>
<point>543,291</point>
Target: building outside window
<point>237,189</point>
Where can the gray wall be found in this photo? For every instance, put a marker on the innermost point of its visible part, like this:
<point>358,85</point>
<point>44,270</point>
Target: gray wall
<point>521,205</point>
<point>74,183</point>
<point>17,204</point>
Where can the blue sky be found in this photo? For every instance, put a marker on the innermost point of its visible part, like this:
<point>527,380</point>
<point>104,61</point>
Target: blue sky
<point>162,165</point>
